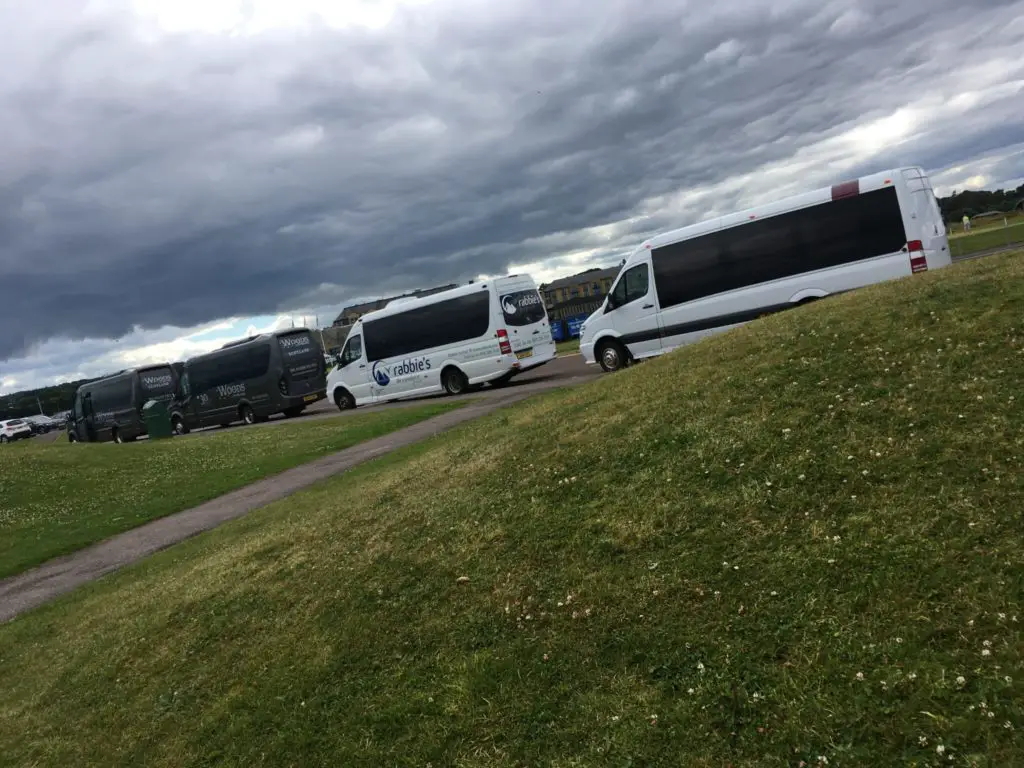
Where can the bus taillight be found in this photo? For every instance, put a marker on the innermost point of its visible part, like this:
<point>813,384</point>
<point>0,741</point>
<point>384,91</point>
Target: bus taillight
<point>503,343</point>
<point>918,262</point>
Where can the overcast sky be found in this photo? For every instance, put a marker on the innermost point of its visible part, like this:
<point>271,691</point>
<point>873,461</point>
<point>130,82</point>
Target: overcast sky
<point>173,173</point>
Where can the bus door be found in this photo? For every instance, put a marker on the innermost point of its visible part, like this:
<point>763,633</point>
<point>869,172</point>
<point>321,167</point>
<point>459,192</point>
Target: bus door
<point>89,418</point>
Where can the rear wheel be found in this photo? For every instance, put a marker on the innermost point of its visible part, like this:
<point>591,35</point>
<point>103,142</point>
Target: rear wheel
<point>344,400</point>
<point>612,356</point>
<point>247,415</point>
<point>454,381</point>
<point>178,425</point>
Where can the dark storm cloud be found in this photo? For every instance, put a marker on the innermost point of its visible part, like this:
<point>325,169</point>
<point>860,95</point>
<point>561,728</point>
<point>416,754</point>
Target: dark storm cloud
<point>192,178</point>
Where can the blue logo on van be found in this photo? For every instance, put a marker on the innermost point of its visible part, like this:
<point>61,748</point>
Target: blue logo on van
<point>380,374</point>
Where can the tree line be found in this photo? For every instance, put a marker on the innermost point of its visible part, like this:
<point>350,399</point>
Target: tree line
<point>971,202</point>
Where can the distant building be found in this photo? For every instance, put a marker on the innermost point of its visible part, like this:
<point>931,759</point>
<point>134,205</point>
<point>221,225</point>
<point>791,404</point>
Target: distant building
<point>350,314</point>
<point>570,299</point>
<point>590,284</point>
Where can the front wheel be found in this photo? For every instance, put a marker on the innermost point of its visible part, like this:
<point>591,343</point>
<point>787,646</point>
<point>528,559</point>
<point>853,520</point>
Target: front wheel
<point>612,356</point>
<point>454,381</point>
<point>178,426</point>
<point>247,415</point>
<point>344,400</point>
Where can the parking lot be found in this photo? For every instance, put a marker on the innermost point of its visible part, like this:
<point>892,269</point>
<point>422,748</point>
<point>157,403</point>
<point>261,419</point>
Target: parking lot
<point>560,372</point>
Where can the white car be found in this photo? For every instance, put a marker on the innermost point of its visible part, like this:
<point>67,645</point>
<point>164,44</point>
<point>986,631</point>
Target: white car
<point>14,429</point>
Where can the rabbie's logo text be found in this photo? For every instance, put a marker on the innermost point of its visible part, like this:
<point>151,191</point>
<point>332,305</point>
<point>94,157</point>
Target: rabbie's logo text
<point>514,302</point>
<point>383,374</point>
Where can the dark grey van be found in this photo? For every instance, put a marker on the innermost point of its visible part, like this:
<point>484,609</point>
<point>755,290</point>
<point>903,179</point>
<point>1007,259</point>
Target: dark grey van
<point>250,380</point>
<point>110,409</point>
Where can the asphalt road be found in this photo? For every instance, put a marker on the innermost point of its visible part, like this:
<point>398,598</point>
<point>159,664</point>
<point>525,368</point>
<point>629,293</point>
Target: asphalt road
<point>568,370</point>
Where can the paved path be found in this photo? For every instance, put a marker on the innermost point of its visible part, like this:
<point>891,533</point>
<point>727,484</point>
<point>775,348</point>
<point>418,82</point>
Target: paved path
<point>61,575</point>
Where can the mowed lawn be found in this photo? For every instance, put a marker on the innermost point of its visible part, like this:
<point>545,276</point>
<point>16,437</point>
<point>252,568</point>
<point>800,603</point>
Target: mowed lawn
<point>57,498</point>
<point>799,543</point>
<point>995,236</point>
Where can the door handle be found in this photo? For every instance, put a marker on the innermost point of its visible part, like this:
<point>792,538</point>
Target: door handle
<point>648,306</point>
<point>362,366</point>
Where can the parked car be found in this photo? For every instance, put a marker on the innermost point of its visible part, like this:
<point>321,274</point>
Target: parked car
<point>14,429</point>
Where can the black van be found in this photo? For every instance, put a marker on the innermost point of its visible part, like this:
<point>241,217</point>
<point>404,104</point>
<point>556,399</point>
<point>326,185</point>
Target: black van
<point>110,409</point>
<point>250,380</point>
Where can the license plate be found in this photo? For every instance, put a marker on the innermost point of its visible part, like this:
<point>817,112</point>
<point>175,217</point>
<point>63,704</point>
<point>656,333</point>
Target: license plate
<point>310,398</point>
<point>524,353</point>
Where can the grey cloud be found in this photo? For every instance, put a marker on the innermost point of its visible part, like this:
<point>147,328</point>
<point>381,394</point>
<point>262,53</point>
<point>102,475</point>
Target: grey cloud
<point>180,182</point>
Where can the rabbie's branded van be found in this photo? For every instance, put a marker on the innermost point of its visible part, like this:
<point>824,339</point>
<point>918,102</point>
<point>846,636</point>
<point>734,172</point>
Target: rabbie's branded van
<point>481,333</point>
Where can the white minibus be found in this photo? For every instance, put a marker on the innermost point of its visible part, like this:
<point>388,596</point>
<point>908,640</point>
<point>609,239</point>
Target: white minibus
<point>707,278</point>
<point>450,341</point>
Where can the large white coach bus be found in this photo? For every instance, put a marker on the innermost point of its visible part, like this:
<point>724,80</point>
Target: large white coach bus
<point>689,283</point>
<point>450,341</point>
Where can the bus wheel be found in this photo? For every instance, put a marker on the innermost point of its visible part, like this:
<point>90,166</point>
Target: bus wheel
<point>246,414</point>
<point>344,400</point>
<point>454,381</point>
<point>612,356</point>
<point>116,437</point>
<point>178,426</point>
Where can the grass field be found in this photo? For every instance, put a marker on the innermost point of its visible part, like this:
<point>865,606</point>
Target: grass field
<point>567,347</point>
<point>961,244</point>
<point>795,543</point>
<point>57,498</point>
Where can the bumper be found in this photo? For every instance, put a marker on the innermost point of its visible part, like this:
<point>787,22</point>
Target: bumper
<point>587,350</point>
<point>308,399</point>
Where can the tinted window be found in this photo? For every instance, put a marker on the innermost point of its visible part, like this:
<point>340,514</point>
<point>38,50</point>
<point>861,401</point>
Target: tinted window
<point>112,395</point>
<point>229,367</point>
<point>300,352</point>
<point>422,328</point>
<point>353,350</point>
<point>522,308</point>
<point>632,285</point>
<point>819,237</point>
<point>156,382</point>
